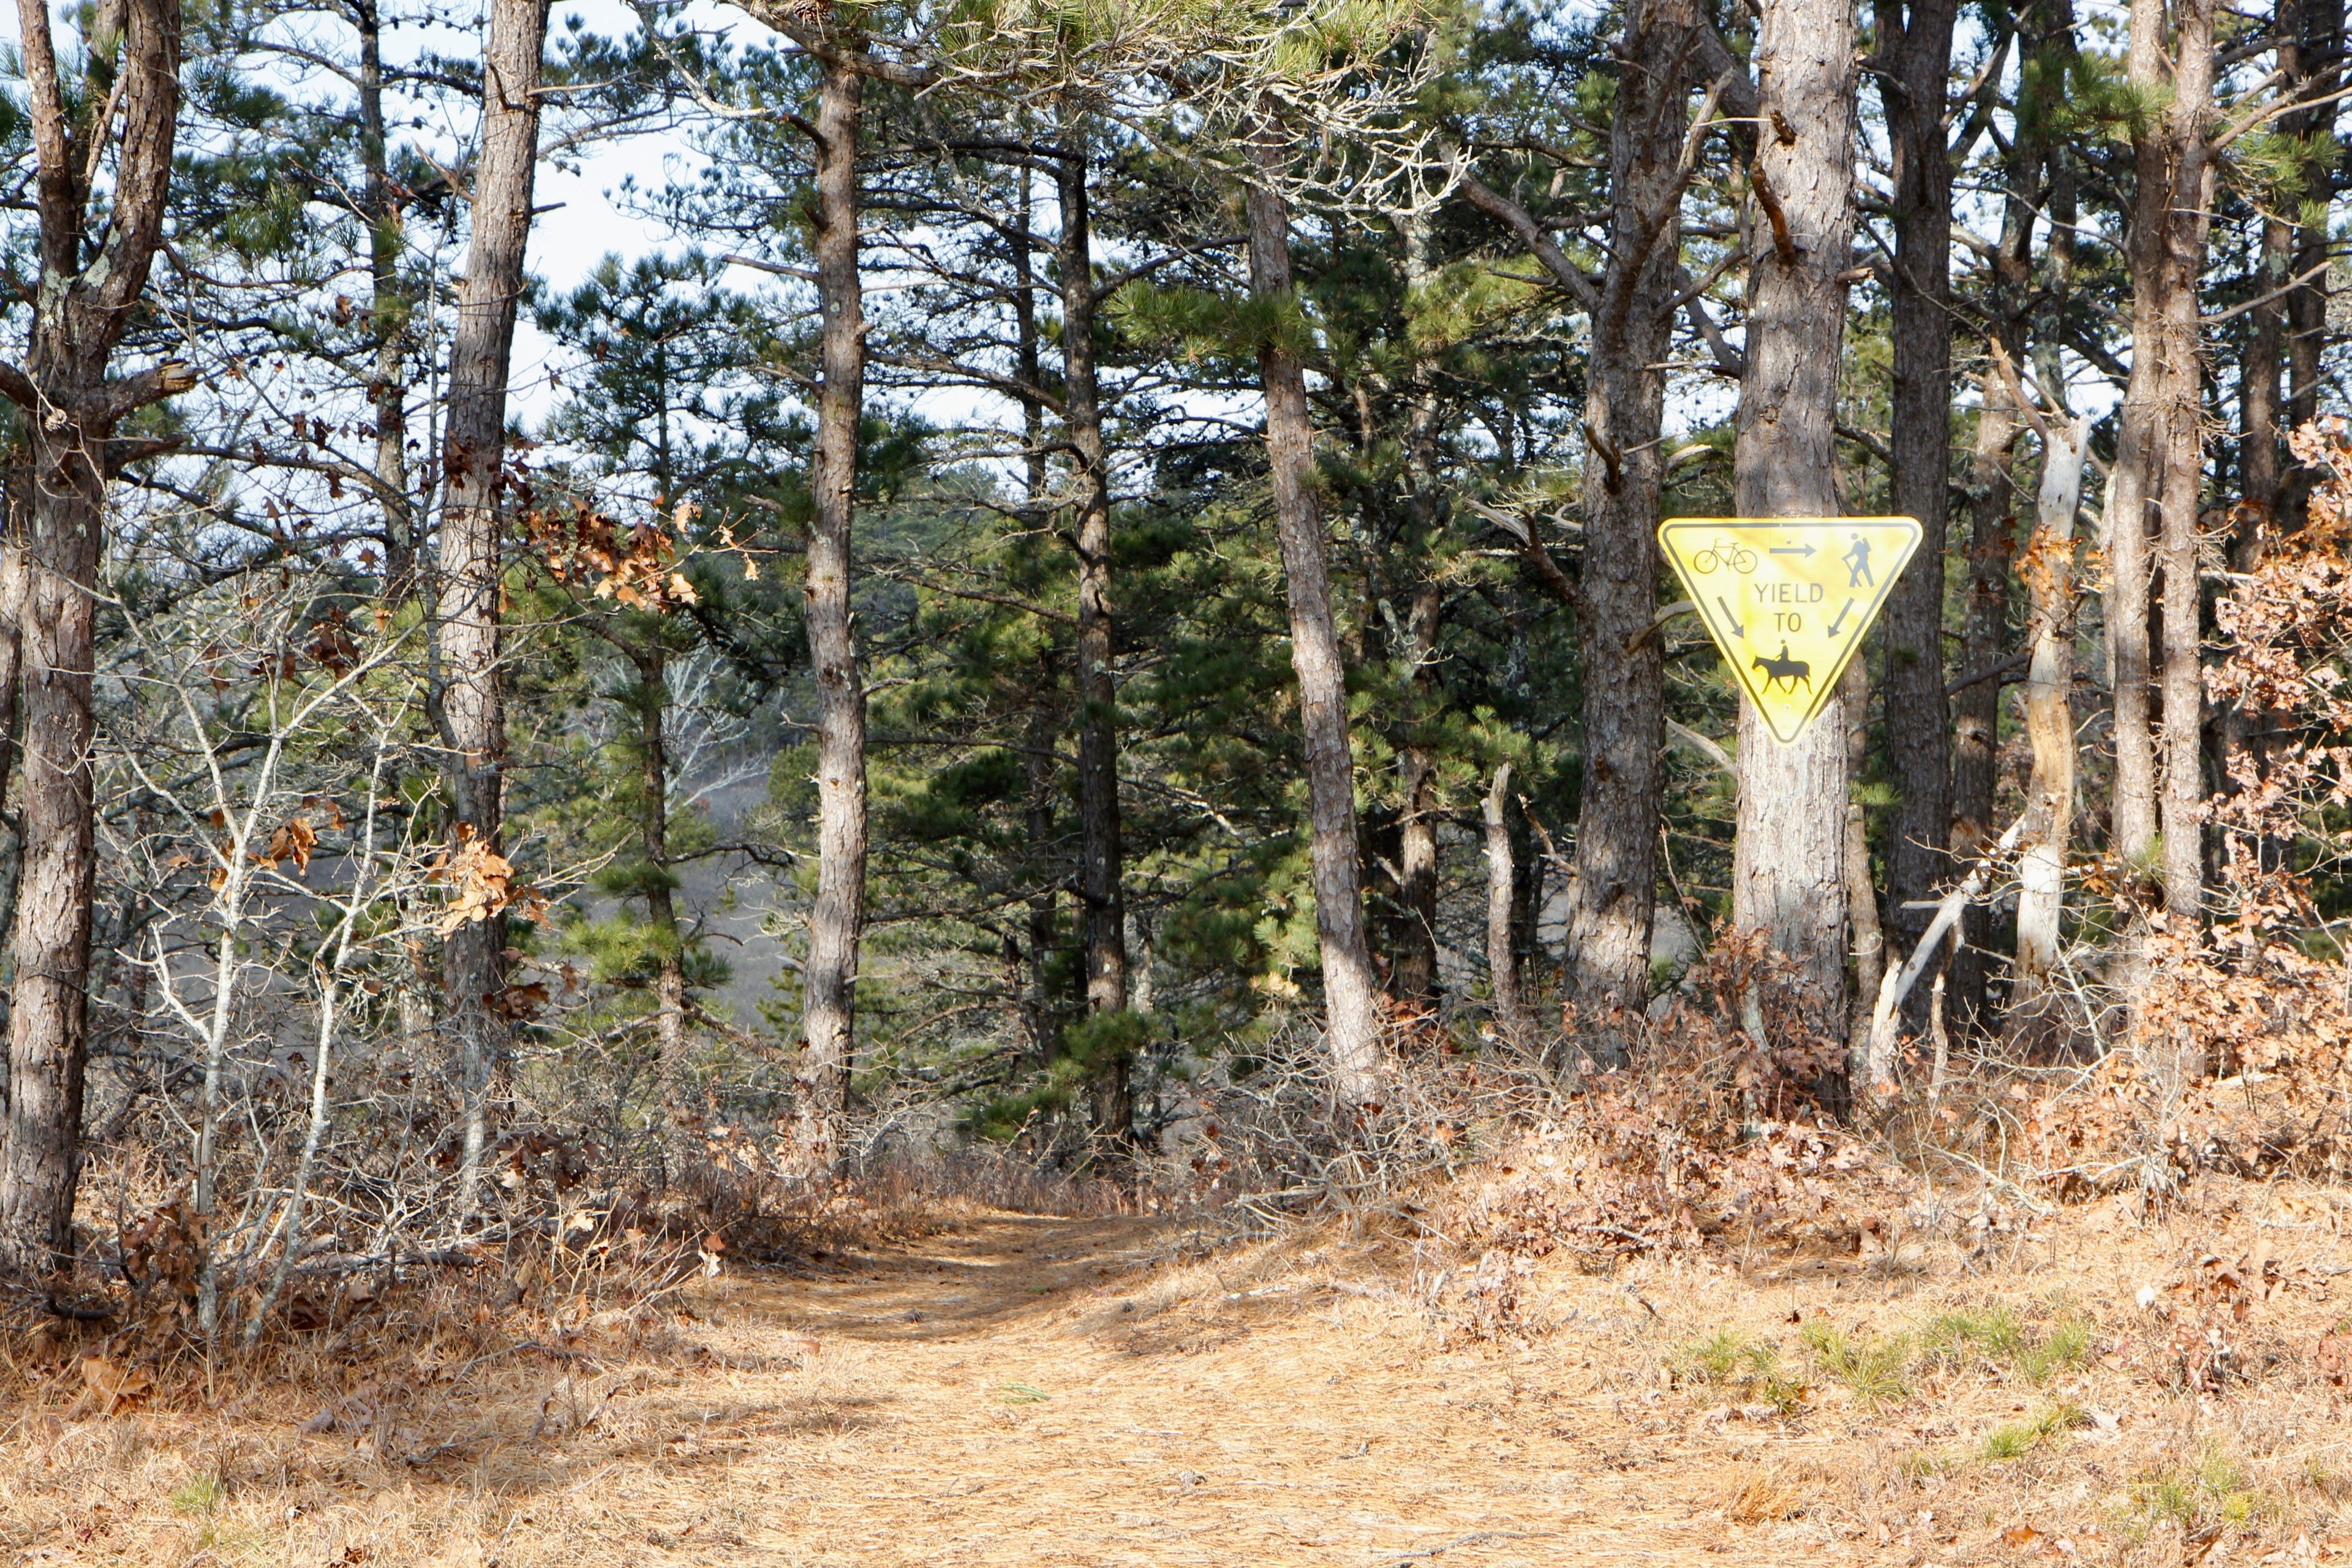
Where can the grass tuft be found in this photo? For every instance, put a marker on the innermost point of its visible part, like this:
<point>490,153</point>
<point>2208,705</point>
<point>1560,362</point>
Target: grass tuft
<point>1726,1357</point>
<point>1992,1332</point>
<point>2015,1439</point>
<point>2066,1346</point>
<point>1730,1361</point>
<point>199,1496</point>
<point>1872,1369</point>
<point>2214,1494</point>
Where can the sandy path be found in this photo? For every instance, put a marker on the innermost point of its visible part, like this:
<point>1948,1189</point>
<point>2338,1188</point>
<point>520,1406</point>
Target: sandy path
<point>1033,1391</point>
<point>1027,1391</point>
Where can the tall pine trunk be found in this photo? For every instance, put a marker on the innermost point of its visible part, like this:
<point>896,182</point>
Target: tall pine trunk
<point>1511,1019</point>
<point>1613,897</point>
<point>2159,461</point>
<point>2319,59</point>
<point>472,456</point>
<point>1412,976</point>
<point>1037,754</point>
<point>389,313</point>
<point>2258,393</point>
<point>653,831</point>
<point>87,293</point>
<point>1100,859</point>
<point>829,978</point>
<point>1351,1028</point>
<point>1788,859</point>
<point>1916,67</point>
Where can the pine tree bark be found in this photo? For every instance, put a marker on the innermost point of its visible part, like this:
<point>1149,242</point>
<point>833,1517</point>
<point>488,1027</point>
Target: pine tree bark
<point>1606,964</point>
<point>660,881</point>
<point>1100,856</point>
<point>1789,858</point>
<point>1861,889</point>
<point>94,273</point>
<point>1037,758</point>
<point>1511,1019</point>
<point>836,920</point>
<point>473,459</point>
<point>2164,248</point>
<point>1412,974</point>
<point>1606,957</point>
<point>2174,164</point>
<point>1351,1028</point>
<point>1984,645</point>
<point>388,313</point>
<point>2318,64</point>
<point>2258,393</point>
<point>1914,68</point>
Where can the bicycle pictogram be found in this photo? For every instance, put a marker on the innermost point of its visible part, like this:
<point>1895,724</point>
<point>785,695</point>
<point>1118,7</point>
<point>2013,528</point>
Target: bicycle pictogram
<point>1725,552</point>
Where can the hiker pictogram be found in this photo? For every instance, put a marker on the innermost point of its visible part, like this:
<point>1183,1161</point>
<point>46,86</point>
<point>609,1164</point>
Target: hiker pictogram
<point>1787,600</point>
<point>1857,564</point>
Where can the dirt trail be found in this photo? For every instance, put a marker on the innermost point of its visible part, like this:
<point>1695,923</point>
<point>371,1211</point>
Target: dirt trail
<point>1029,1391</point>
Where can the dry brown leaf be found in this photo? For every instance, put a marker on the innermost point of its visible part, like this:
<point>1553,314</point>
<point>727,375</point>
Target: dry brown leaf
<point>293,840</point>
<point>481,876</point>
<point>113,1386</point>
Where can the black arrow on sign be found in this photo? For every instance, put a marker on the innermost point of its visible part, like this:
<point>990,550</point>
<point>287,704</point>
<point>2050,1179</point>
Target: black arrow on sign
<point>1791,549</point>
<point>1841,615</point>
<point>1738,626</point>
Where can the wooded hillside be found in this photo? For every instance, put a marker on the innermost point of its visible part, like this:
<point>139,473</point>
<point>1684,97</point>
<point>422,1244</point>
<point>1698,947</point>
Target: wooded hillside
<point>1086,582</point>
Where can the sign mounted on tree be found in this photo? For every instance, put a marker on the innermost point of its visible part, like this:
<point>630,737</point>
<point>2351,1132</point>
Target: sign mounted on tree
<point>1788,598</point>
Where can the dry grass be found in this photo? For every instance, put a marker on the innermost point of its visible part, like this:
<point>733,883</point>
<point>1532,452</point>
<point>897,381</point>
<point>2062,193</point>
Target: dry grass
<point>1016,1389</point>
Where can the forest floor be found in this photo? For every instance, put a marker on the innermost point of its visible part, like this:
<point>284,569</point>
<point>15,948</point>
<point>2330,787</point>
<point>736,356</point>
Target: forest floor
<point>1015,1389</point>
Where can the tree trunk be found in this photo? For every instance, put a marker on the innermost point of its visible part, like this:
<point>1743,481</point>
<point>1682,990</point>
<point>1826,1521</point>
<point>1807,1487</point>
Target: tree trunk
<point>1860,889</point>
<point>653,829</point>
<point>1038,759</point>
<point>829,980</point>
<point>473,713</point>
<point>1789,858</point>
<point>1415,976</point>
<point>1412,976</point>
<point>1100,860</point>
<point>1917,67</point>
<point>2258,396</point>
<point>47,1039</point>
<point>2174,166</point>
<point>2132,484</point>
<point>2164,248</point>
<point>2319,61</point>
<point>1613,886</point>
<point>1511,1020</point>
<point>1352,1024</point>
<point>92,276</point>
<point>388,313</point>
<point>2184,808</point>
<point>2049,571</point>
<point>1044,871</point>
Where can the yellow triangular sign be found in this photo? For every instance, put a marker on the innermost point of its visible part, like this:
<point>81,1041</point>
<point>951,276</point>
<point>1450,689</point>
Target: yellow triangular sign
<point>1788,598</point>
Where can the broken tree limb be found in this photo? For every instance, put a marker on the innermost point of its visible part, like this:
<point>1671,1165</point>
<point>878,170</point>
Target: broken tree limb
<point>1878,1075</point>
